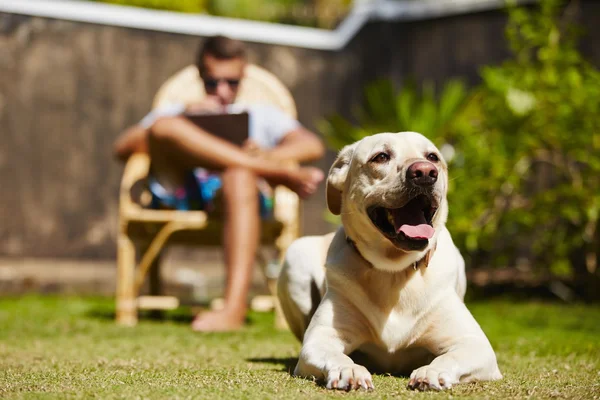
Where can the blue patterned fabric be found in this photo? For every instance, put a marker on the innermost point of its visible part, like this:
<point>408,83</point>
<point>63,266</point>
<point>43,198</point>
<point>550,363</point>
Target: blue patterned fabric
<point>199,192</point>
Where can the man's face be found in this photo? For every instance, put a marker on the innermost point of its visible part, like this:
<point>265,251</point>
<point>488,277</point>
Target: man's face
<point>222,77</point>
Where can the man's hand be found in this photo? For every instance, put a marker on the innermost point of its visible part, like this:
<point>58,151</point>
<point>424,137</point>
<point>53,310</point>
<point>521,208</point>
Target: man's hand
<point>252,148</point>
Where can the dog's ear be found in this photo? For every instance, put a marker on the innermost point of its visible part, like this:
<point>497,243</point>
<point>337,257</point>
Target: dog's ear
<point>337,178</point>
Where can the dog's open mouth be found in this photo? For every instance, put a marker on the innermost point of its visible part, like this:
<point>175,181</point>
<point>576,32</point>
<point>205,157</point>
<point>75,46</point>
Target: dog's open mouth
<point>410,224</point>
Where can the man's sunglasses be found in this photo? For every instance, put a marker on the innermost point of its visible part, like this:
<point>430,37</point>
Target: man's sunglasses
<point>211,83</point>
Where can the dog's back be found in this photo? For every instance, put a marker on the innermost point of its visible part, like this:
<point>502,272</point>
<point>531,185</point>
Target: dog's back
<point>304,270</point>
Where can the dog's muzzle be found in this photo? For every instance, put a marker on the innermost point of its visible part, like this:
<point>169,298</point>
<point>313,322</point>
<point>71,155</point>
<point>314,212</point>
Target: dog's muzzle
<point>409,227</point>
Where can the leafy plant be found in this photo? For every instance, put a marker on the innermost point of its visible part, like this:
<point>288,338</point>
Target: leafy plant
<point>542,108</point>
<point>412,109</point>
<point>321,13</point>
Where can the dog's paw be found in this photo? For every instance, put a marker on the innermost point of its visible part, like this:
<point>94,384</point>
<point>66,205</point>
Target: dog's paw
<point>427,378</point>
<point>349,377</point>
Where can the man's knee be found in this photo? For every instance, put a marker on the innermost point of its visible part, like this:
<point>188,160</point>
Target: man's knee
<point>165,129</point>
<point>240,184</point>
<point>239,175</point>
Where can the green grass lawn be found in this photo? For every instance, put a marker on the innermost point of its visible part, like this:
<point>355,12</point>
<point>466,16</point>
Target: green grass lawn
<point>67,347</point>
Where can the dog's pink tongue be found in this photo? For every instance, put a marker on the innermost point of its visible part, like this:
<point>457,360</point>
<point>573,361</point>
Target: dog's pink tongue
<point>410,220</point>
<point>422,231</point>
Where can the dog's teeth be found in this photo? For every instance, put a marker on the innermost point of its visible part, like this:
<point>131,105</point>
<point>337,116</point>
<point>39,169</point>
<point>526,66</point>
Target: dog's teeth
<point>390,217</point>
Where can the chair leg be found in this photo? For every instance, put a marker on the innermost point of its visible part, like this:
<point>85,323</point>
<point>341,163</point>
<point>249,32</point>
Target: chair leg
<point>154,279</point>
<point>291,217</point>
<point>126,307</point>
<point>155,285</point>
<point>271,278</point>
<point>152,252</point>
<point>280,321</point>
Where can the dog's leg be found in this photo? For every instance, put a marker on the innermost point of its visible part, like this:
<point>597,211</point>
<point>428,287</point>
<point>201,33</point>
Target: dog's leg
<point>464,354</point>
<point>330,337</point>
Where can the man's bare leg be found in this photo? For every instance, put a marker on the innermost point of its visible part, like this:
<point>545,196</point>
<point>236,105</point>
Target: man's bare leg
<point>240,242</point>
<point>176,144</point>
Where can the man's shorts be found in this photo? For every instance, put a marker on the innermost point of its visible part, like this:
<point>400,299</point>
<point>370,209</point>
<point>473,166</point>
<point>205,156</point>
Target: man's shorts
<point>200,192</point>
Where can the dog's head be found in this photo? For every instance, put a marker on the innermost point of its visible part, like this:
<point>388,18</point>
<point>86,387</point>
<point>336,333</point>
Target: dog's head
<point>390,189</point>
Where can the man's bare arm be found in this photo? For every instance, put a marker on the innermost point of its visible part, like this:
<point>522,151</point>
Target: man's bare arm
<point>300,145</point>
<point>132,140</point>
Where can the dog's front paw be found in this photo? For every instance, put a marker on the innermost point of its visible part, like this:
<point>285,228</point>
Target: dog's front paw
<point>427,378</point>
<point>349,377</point>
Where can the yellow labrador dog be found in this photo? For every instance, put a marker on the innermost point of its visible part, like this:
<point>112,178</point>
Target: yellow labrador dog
<point>388,286</point>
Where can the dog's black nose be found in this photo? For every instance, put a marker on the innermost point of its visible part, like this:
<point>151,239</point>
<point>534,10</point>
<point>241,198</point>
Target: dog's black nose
<point>422,173</point>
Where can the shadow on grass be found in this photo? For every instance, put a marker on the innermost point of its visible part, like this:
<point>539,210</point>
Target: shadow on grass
<point>287,363</point>
<point>177,316</point>
<point>183,315</point>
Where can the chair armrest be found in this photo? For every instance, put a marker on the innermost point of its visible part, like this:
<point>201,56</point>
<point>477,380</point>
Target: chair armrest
<point>287,203</point>
<point>136,169</point>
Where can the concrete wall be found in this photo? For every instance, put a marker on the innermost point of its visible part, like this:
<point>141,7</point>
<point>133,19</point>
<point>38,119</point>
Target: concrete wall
<point>67,89</point>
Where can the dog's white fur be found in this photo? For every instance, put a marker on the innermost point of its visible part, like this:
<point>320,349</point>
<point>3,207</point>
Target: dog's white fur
<point>367,299</point>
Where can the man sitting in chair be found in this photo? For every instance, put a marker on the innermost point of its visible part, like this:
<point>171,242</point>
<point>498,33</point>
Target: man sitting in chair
<point>181,153</point>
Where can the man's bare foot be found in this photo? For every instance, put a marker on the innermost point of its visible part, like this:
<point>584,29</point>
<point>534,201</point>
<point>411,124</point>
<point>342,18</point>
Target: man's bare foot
<point>304,181</point>
<point>218,321</point>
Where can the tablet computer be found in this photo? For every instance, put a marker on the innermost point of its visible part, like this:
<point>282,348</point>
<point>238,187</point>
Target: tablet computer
<point>232,127</point>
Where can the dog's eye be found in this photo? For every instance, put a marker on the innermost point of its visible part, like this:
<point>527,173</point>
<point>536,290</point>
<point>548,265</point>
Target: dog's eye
<point>433,157</point>
<point>381,158</point>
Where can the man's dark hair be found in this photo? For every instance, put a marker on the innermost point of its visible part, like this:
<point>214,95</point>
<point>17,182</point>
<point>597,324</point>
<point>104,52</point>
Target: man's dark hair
<point>222,48</point>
